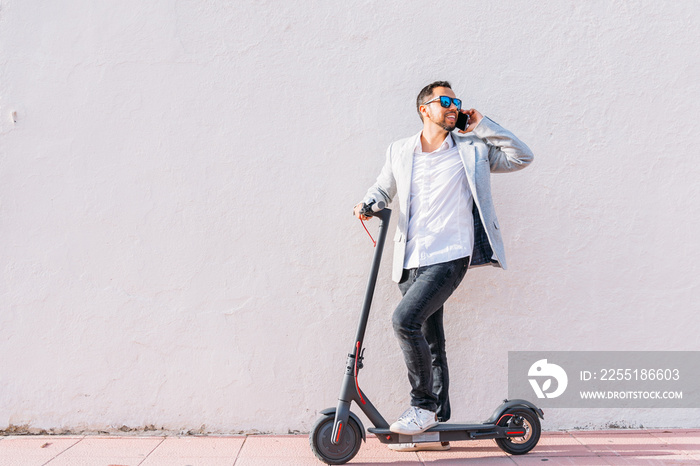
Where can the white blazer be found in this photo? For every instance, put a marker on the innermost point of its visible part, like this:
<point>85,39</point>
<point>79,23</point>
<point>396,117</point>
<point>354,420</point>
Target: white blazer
<point>488,148</point>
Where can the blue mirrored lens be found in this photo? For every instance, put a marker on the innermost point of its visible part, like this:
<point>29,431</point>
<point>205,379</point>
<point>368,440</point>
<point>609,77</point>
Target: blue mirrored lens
<point>447,101</point>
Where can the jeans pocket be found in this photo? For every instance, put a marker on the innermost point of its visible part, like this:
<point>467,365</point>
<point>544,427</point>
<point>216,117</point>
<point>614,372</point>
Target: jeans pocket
<point>404,276</point>
<point>460,272</point>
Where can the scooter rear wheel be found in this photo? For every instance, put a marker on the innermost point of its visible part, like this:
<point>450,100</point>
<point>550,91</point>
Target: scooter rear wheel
<point>345,450</point>
<point>520,418</point>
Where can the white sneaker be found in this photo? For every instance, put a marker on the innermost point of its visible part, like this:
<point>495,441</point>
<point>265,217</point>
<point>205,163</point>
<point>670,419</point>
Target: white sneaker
<point>414,421</point>
<point>426,446</point>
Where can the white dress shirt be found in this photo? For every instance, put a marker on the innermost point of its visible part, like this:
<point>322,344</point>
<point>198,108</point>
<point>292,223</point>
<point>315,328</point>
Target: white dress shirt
<point>440,225</point>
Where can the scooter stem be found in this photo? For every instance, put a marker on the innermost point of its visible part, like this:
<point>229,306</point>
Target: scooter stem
<point>349,391</point>
<point>384,216</point>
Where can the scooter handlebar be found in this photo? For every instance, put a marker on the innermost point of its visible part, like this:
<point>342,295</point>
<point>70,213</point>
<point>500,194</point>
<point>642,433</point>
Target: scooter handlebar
<point>373,207</point>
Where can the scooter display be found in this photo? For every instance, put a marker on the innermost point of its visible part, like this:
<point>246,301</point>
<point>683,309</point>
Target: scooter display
<point>338,434</point>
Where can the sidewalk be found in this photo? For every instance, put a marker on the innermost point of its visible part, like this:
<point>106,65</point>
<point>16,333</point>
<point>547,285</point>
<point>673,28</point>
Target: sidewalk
<point>628,447</point>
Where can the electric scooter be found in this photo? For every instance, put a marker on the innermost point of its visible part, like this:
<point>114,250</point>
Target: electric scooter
<point>338,434</point>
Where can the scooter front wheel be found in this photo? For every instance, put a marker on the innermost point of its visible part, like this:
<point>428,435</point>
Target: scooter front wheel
<point>520,418</point>
<point>347,447</point>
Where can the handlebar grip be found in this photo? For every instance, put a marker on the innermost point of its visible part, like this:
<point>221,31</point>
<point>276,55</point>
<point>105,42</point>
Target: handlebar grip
<point>377,206</point>
<point>369,209</point>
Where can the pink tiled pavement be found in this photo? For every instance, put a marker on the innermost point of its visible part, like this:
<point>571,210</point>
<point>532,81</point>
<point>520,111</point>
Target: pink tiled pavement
<point>616,447</point>
<point>122,451</point>
<point>35,450</point>
<point>196,451</point>
<point>474,452</point>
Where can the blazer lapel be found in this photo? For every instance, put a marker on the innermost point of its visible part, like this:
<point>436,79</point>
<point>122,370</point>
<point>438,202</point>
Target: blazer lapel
<point>406,161</point>
<point>404,169</point>
<point>468,154</point>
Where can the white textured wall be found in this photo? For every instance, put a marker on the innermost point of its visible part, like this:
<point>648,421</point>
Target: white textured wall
<point>177,177</point>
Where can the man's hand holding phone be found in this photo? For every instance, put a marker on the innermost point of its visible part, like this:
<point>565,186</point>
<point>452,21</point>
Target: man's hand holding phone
<point>468,119</point>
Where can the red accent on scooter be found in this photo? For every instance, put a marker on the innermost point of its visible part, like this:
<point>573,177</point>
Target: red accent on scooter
<point>521,432</point>
<point>337,437</point>
<point>499,419</point>
<point>370,236</point>
<point>357,386</point>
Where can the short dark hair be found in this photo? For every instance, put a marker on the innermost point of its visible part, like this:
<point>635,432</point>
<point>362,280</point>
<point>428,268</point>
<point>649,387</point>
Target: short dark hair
<point>426,92</point>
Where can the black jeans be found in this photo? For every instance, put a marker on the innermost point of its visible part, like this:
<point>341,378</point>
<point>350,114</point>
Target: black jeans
<point>419,327</point>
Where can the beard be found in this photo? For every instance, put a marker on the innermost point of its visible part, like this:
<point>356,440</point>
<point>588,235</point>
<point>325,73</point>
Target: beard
<point>447,126</point>
<point>444,124</point>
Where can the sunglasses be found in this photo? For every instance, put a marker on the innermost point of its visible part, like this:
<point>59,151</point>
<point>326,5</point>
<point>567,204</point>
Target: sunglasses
<point>445,101</point>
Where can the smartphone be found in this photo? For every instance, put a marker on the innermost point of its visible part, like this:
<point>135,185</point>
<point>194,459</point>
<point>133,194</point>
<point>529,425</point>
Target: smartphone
<point>462,121</point>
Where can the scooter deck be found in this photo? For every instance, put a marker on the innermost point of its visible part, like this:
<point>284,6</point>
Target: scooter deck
<point>446,432</point>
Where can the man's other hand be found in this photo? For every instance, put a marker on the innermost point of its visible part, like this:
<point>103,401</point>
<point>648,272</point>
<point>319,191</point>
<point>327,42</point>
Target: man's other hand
<point>357,212</point>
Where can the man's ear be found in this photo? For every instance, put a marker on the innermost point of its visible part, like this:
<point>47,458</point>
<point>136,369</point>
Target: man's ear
<point>424,111</point>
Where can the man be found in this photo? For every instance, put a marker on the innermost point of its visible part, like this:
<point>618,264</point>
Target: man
<point>446,224</point>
